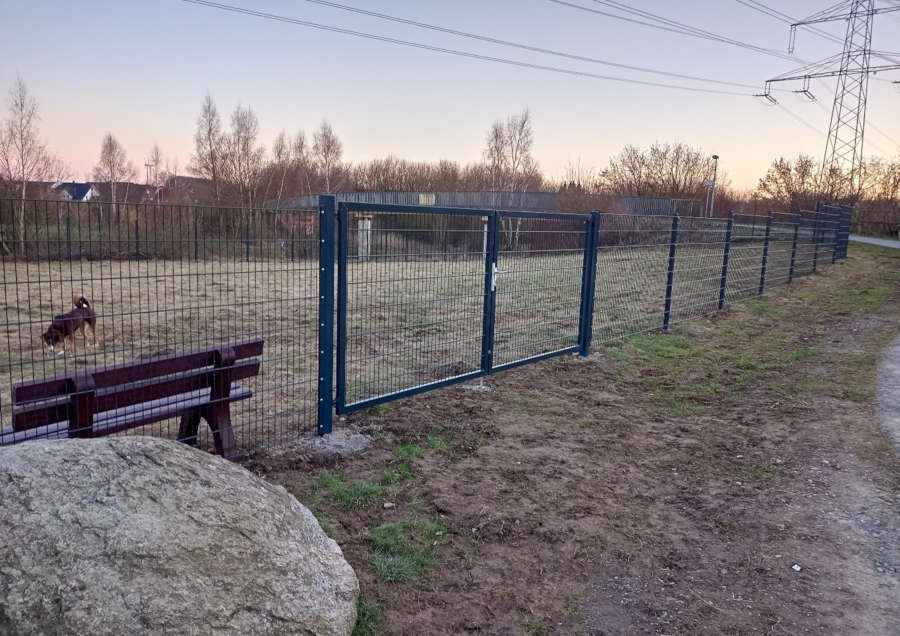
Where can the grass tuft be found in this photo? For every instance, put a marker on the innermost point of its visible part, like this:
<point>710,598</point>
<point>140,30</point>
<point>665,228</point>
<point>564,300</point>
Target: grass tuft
<point>438,442</point>
<point>408,451</point>
<point>397,474</point>
<point>368,619</point>
<point>348,495</point>
<point>404,550</point>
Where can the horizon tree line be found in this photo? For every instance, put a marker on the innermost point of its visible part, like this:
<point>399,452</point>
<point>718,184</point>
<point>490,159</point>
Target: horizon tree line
<point>241,172</point>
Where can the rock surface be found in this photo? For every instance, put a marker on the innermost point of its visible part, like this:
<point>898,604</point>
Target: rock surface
<point>136,535</point>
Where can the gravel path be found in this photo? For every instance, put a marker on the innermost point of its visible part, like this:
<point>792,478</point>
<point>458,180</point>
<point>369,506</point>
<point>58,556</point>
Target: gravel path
<point>889,393</point>
<point>875,241</point>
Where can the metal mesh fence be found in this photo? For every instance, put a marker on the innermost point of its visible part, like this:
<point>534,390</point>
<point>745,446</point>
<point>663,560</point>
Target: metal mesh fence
<point>228,315</point>
<point>697,274</point>
<point>159,281</point>
<point>632,267</point>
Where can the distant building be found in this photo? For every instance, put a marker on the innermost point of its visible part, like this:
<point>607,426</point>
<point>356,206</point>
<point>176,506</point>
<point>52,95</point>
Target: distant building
<point>71,191</point>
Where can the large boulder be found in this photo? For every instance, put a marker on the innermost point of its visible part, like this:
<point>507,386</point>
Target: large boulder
<point>136,535</point>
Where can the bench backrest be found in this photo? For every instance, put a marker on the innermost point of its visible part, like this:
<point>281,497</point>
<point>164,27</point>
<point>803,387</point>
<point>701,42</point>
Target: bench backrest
<point>77,396</point>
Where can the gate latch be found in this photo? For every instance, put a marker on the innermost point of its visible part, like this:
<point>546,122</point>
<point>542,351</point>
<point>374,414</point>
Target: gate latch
<point>494,273</point>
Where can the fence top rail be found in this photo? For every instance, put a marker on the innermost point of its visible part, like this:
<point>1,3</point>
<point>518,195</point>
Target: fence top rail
<point>62,203</point>
<point>571,216</point>
<point>354,206</point>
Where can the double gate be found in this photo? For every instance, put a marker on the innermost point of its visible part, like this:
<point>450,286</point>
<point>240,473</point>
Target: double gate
<point>428,297</point>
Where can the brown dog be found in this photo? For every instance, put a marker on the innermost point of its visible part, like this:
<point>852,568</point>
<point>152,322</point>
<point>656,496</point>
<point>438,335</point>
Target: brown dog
<point>65,326</point>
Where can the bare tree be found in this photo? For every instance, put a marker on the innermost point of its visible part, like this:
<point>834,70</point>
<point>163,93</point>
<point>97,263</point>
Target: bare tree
<point>495,155</point>
<point>209,147</point>
<point>155,161</point>
<point>790,185</point>
<point>663,170</point>
<point>510,162</point>
<point>245,157</point>
<point>113,167</point>
<point>281,161</point>
<point>302,161</point>
<point>23,156</point>
<point>327,151</point>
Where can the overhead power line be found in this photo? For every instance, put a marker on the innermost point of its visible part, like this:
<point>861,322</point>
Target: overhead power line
<point>525,47</point>
<point>783,17</point>
<point>665,24</point>
<point>467,54</point>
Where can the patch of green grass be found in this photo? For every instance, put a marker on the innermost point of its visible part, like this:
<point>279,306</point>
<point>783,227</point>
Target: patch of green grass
<point>404,550</point>
<point>348,495</point>
<point>368,619</point>
<point>662,347</point>
<point>865,299</point>
<point>436,441</point>
<point>585,424</point>
<point>397,474</point>
<point>798,354</point>
<point>408,451</point>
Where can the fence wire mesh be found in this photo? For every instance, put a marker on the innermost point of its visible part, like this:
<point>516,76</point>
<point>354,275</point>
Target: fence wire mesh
<point>538,297</point>
<point>159,281</point>
<point>632,270</point>
<point>413,300</point>
<point>227,314</point>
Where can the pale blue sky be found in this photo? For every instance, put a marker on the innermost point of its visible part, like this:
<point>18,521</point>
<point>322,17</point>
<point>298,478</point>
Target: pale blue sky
<point>140,69</point>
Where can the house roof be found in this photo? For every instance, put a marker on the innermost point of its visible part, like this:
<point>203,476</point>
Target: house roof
<point>76,191</point>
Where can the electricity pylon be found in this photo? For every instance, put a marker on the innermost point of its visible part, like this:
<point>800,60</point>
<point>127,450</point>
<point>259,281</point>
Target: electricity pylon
<point>841,164</point>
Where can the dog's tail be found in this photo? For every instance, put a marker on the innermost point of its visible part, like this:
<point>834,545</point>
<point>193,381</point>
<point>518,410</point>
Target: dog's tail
<point>80,301</point>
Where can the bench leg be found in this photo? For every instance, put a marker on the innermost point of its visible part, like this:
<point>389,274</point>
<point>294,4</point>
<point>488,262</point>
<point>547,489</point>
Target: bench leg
<point>187,430</point>
<point>218,416</point>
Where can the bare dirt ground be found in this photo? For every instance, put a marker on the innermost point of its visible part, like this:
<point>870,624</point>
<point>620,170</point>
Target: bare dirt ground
<point>729,477</point>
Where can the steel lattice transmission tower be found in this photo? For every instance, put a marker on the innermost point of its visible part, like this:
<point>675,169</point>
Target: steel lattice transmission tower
<point>842,161</point>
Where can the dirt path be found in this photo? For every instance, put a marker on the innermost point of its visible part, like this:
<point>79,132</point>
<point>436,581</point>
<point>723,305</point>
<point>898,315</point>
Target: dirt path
<point>889,394</point>
<point>666,485</point>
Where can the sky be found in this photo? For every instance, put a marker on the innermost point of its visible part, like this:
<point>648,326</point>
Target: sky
<point>140,69</point>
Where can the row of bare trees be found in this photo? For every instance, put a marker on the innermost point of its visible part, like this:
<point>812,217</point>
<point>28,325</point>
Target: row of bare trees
<point>234,168</point>
<point>241,171</point>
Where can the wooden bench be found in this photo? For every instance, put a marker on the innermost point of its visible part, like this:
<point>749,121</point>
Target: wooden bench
<point>194,385</point>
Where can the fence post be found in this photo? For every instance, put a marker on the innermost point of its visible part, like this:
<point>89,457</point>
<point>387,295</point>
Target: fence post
<point>765,256</point>
<point>793,252</point>
<point>326,314</point>
<point>490,289</point>
<point>670,278</point>
<point>292,243</point>
<point>247,241</point>
<point>343,232</point>
<point>588,282</point>
<point>816,238</point>
<point>196,241</point>
<point>837,237</point>
<point>137,240</point>
<point>723,283</point>
<point>69,235</point>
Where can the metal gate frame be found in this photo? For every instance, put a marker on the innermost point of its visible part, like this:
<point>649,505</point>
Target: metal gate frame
<point>588,273</point>
<point>491,256</point>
